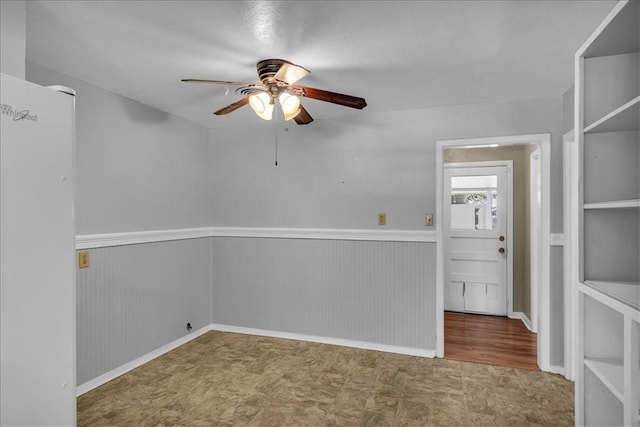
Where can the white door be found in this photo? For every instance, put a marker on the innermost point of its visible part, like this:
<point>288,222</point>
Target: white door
<point>475,228</point>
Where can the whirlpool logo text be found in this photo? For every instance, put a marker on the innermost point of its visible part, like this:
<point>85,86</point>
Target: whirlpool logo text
<point>8,110</point>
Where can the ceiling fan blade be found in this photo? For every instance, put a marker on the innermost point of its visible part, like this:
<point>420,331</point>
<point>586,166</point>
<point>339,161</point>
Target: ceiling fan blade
<point>232,107</point>
<point>219,82</point>
<point>303,117</point>
<point>333,97</point>
<point>290,73</point>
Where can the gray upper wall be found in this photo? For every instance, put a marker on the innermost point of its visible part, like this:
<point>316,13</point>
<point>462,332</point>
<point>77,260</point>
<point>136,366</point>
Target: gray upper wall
<point>567,110</point>
<point>137,168</point>
<point>340,172</point>
<point>142,169</point>
<point>13,41</point>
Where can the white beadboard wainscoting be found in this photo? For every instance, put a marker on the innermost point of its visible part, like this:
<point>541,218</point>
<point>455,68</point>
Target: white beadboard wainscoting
<point>374,292</point>
<point>363,288</point>
<point>135,299</point>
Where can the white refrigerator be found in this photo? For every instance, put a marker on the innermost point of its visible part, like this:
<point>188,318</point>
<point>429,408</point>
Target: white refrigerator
<point>37,255</point>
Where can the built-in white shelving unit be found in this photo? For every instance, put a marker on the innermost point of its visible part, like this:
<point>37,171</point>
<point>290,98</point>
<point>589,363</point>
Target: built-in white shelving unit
<point>607,132</point>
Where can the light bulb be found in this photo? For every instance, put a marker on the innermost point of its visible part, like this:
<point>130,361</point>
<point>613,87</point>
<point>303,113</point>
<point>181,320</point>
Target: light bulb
<point>290,105</point>
<point>261,104</point>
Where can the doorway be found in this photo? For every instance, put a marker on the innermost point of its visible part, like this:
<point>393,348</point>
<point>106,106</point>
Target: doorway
<point>491,340</point>
<point>542,142</point>
<point>476,218</point>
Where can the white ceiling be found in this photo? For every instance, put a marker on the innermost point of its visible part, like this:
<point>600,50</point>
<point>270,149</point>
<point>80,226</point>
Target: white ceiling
<point>398,55</point>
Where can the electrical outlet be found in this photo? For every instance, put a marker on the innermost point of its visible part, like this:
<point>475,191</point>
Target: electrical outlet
<point>428,220</point>
<point>83,259</point>
<point>382,219</point>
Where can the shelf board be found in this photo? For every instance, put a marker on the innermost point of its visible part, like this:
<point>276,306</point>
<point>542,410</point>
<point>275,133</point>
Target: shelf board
<point>616,204</point>
<point>617,34</point>
<point>623,118</point>
<point>611,373</point>
<point>625,292</point>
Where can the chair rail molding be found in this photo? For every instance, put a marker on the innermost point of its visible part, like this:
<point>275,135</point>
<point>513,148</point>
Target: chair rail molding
<point>91,241</point>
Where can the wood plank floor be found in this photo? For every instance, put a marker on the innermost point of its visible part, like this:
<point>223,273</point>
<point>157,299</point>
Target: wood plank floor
<point>492,340</point>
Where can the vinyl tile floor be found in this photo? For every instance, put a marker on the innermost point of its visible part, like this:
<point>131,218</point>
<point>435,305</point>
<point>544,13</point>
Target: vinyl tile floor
<point>228,379</point>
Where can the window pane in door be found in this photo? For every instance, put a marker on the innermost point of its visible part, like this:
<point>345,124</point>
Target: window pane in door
<point>474,202</point>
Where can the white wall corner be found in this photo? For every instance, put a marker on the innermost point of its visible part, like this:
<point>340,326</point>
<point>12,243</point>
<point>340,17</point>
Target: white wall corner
<point>525,320</point>
<point>121,370</point>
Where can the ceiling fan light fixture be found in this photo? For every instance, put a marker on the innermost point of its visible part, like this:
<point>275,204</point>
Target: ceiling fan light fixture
<point>290,105</point>
<point>262,105</point>
<point>292,115</point>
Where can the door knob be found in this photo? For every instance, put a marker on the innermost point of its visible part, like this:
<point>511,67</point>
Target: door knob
<point>501,250</point>
<point>501,238</point>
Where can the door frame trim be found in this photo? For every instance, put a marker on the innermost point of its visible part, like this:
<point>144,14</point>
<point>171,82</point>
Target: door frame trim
<point>570,224</point>
<point>509,166</point>
<point>534,238</point>
<point>543,141</point>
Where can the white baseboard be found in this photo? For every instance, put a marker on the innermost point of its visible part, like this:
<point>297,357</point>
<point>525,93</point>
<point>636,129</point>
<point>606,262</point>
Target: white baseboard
<point>115,373</point>
<point>410,351</point>
<point>104,378</point>
<point>520,315</point>
<point>556,370</point>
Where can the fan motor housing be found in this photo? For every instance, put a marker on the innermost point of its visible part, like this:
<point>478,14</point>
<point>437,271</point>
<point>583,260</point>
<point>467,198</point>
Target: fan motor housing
<point>267,68</point>
<point>249,90</point>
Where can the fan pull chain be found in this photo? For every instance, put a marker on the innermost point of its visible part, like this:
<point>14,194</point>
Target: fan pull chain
<point>275,111</point>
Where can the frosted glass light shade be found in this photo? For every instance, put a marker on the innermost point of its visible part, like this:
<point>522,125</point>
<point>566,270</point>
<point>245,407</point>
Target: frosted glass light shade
<point>290,105</point>
<point>261,104</point>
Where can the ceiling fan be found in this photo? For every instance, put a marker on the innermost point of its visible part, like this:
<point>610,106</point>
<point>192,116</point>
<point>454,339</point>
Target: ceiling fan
<point>277,78</point>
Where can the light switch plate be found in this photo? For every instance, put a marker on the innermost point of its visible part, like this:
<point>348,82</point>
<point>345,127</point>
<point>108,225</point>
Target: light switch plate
<point>382,219</point>
<point>428,220</point>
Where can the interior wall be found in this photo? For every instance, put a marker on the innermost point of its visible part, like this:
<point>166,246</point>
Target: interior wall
<point>12,38</point>
<point>378,293</point>
<point>526,296</point>
<point>141,169</point>
<point>137,168</point>
<point>134,299</point>
<point>521,236</point>
<point>568,104</point>
<point>340,172</point>
<point>556,340</point>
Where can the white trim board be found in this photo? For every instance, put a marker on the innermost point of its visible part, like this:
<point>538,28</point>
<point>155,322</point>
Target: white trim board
<point>560,370</point>
<point>121,370</point>
<point>386,348</point>
<point>543,141</point>
<point>90,241</point>
<point>556,239</point>
<point>570,224</point>
<point>525,320</point>
<point>535,214</point>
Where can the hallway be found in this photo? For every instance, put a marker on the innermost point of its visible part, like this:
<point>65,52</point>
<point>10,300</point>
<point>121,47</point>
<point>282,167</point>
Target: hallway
<point>491,340</point>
